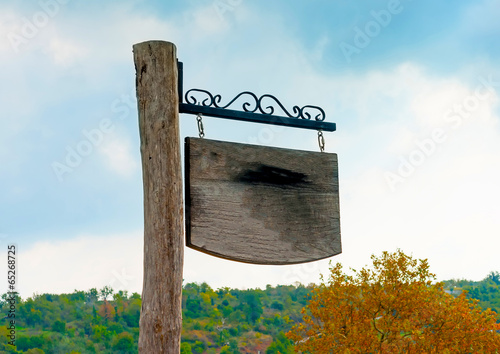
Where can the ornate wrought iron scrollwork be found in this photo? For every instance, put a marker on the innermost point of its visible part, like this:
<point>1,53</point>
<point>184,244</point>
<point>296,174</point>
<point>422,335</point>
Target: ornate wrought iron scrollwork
<point>254,104</point>
<point>254,109</point>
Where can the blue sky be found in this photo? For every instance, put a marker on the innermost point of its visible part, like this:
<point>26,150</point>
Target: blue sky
<point>412,85</point>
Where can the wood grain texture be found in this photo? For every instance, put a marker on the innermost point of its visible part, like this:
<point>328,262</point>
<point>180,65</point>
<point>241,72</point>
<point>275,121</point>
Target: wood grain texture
<point>158,104</point>
<point>260,204</point>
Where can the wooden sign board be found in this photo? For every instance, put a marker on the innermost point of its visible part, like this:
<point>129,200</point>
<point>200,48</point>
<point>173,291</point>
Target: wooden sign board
<point>259,204</point>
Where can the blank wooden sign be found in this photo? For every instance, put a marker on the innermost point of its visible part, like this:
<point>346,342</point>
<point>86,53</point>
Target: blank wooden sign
<point>259,204</point>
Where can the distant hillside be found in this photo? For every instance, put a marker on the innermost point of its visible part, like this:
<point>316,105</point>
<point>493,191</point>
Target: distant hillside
<point>487,291</point>
<point>214,321</point>
<point>82,322</point>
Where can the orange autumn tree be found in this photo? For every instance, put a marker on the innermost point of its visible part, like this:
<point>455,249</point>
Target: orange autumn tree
<point>106,310</point>
<point>392,307</point>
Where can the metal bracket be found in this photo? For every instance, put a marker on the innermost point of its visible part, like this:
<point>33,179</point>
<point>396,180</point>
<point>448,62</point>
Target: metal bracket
<point>253,107</point>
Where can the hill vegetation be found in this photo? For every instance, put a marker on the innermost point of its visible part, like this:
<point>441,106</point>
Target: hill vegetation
<point>214,321</point>
<point>102,321</point>
<point>487,291</point>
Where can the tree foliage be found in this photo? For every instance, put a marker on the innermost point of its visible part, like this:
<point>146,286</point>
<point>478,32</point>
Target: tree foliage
<point>487,291</point>
<point>392,307</point>
<point>214,321</point>
<point>104,321</point>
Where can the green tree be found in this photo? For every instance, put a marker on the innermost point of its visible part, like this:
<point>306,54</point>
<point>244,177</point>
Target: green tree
<point>252,306</point>
<point>59,326</point>
<point>124,343</point>
<point>232,348</point>
<point>91,296</point>
<point>100,333</point>
<point>277,305</point>
<point>25,343</point>
<point>131,314</point>
<point>199,347</point>
<point>281,345</point>
<point>494,277</point>
<point>105,292</point>
<point>34,351</point>
<point>186,348</point>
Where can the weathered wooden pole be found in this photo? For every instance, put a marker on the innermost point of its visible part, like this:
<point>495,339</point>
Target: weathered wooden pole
<point>158,104</point>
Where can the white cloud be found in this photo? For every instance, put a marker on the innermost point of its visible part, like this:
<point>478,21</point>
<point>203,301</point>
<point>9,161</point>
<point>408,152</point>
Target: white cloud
<point>210,19</point>
<point>64,52</point>
<point>80,263</point>
<point>319,48</point>
<point>93,261</point>
<point>117,152</point>
<point>8,26</point>
<point>443,211</point>
<point>218,273</point>
<point>27,29</point>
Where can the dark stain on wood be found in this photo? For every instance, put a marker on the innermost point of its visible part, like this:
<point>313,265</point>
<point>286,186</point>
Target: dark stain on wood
<point>279,177</point>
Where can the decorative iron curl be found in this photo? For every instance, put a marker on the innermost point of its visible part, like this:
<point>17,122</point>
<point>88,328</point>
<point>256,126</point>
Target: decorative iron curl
<point>306,115</point>
<point>192,100</point>
<point>252,100</point>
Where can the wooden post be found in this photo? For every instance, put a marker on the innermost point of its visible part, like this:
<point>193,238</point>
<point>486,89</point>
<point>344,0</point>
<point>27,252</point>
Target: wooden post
<point>158,104</point>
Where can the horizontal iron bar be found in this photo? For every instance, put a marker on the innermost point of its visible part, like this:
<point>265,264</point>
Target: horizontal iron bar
<point>257,117</point>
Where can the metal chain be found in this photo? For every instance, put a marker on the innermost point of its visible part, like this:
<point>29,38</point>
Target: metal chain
<point>321,141</point>
<point>201,131</point>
